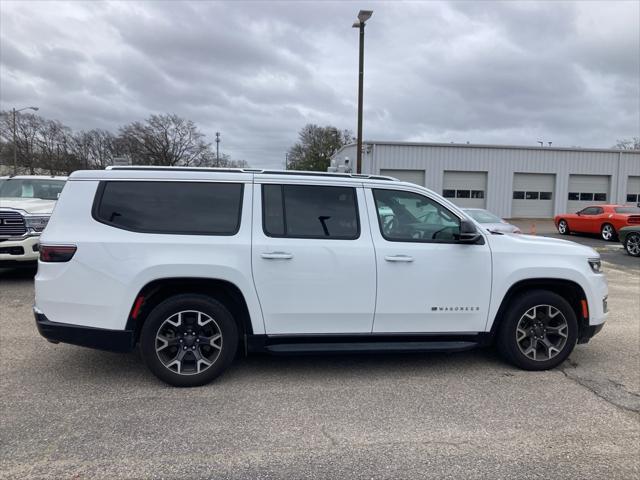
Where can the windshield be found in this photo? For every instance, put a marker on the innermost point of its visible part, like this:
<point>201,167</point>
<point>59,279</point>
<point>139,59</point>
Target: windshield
<point>482,216</point>
<point>627,209</point>
<point>31,188</point>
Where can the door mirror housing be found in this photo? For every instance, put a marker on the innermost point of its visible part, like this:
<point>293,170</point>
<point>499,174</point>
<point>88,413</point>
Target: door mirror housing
<point>469,233</point>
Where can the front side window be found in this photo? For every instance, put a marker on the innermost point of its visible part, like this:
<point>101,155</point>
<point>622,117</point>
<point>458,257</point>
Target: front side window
<point>196,208</point>
<point>410,217</point>
<point>310,211</point>
<point>591,211</point>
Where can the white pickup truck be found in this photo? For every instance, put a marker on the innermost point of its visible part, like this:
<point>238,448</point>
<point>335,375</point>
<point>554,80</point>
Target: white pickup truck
<point>26,203</point>
<point>197,265</point>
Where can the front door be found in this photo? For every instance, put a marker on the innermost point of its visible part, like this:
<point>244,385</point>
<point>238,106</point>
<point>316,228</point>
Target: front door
<point>313,260</point>
<point>427,281</point>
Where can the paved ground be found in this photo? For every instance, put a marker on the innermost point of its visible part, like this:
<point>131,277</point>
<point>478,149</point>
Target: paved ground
<point>69,412</point>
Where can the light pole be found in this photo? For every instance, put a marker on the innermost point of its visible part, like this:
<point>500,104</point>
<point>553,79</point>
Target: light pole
<point>15,144</point>
<point>217,149</point>
<point>363,16</point>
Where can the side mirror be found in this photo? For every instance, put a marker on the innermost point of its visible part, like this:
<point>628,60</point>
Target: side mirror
<point>469,233</point>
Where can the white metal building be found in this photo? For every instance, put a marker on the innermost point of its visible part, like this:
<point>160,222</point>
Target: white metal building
<point>511,181</point>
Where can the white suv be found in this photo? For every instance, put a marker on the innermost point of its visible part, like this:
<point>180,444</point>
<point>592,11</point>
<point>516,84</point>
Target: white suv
<point>26,203</point>
<point>198,265</point>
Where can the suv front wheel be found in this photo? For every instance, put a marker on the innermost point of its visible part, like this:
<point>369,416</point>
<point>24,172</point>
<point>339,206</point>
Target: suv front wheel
<point>539,331</point>
<point>188,340</point>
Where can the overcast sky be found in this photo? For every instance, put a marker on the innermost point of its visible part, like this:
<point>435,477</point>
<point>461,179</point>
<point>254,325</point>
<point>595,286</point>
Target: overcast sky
<point>483,72</point>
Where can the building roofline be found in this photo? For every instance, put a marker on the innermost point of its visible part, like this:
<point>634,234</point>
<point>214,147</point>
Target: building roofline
<point>481,145</point>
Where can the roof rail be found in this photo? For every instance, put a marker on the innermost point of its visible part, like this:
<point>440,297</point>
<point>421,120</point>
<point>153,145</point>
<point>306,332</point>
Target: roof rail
<point>250,170</point>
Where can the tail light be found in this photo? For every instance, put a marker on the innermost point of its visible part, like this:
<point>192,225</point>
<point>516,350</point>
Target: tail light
<point>57,253</point>
<point>633,220</point>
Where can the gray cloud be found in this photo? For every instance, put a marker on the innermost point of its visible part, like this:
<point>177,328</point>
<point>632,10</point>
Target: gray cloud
<point>494,72</point>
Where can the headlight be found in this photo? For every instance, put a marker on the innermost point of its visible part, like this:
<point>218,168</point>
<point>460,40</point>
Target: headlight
<point>596,265</point>
<point>36,223</point>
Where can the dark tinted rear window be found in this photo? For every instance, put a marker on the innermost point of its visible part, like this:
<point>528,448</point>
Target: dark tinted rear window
<point>310,211</point>
<point>171,207</point>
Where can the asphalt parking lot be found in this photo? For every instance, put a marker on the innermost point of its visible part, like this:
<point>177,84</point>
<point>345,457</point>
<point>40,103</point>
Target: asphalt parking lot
<point>69,412</point>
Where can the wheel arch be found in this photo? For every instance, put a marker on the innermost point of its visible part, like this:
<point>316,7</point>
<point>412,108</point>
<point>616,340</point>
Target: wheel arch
<point>158,290</point>
<point>571,291</point>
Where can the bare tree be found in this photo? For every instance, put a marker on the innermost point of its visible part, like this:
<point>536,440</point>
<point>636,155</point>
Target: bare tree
<point>95,148</point>
<point>164,140</point>
<point>628,144</point>
<point>28,126</point>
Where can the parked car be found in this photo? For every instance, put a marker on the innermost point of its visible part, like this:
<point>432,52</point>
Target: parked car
<point>491,222</point>
<point>26,203</point>
<point>630,239</point>
<point>197,265</point>
<point>606,220</point>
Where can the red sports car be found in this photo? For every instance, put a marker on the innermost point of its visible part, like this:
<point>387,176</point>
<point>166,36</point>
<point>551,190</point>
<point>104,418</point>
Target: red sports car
<point>605,220</point>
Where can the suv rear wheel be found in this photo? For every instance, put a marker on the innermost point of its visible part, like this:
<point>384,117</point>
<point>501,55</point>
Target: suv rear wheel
<point>188,340</point>
<point>539,331</point>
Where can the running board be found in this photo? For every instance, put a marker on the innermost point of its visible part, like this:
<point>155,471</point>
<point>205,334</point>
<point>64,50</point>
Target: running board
<point>370,347</point>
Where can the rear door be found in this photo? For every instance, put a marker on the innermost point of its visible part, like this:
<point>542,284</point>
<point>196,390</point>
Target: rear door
<point>312,257</point>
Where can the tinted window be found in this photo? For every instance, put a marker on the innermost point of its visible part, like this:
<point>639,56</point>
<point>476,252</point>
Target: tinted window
<point>409,217</point>
<point>591,211</point>
<point>632,197</point>
<point>532,196</point>
<point>586,197</point>
<point>310,211</point>
<point>600,197</point>
<point>545,195</point>
<point>477,194</point>
<point>463,193</point>
<point>171,207</point>
<point>574,196</point>
<point>518,195</point>
<point>272,211</point>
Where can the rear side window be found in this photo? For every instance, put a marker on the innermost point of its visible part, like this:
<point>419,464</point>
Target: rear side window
<point>195,208</point>
<point>310,211</point>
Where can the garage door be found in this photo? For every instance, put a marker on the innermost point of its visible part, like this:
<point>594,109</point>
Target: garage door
<point>633,190</point>
<point>585,190</point>
<point>465,189</point>
<point>533,195</point>
<point>413,176</point>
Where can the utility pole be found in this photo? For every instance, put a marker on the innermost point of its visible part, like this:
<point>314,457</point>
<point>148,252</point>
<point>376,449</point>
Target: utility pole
<point>363,16</point>
<point>217,149</point>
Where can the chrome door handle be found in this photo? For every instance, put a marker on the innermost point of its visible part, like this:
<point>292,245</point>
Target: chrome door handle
<point>277,256</point>
<point>398,258</point>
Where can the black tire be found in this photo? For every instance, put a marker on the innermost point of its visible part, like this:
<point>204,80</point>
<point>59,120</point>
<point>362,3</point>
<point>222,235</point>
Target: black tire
<point>563,227</point>
<point>631,244</point>
<point>224,323</point>
<point>507,342</point>
<point>608,233</point>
